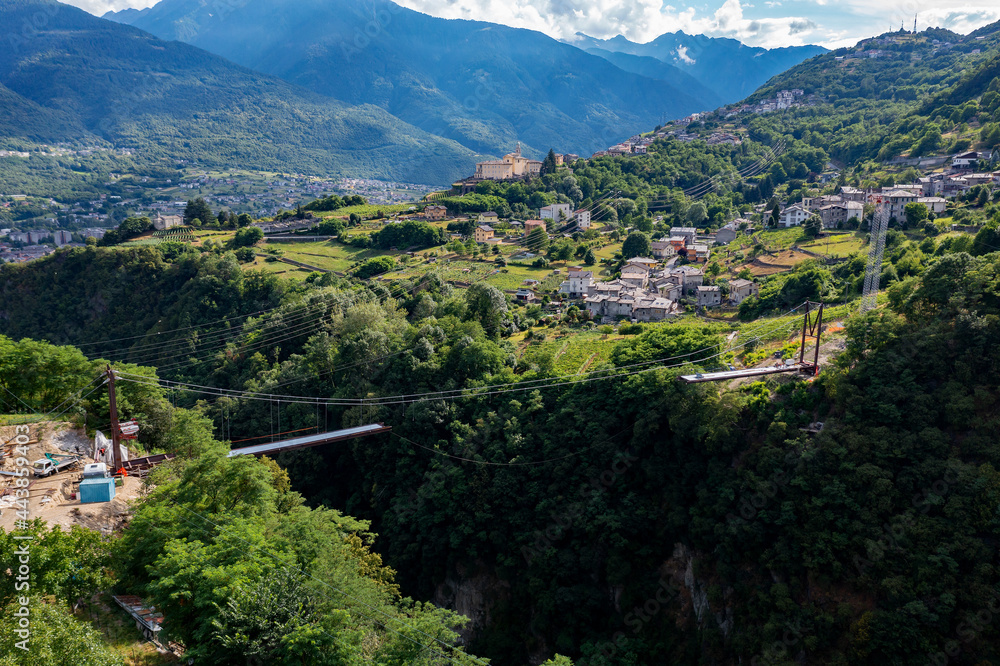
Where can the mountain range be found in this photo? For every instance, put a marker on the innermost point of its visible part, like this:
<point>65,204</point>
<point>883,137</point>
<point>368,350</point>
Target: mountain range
<point>730,69</point>
<point>76,77</point>
<point>366,88</point>
<point>482,84</point>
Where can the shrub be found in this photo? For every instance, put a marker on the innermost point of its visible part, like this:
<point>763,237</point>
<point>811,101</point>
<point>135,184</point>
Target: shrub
<point>248,236</point>
<point>245,255</point>
<point>375,266</point>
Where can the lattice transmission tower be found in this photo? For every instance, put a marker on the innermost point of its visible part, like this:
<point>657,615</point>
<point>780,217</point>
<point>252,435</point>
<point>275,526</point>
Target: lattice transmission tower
<point>876,248</point>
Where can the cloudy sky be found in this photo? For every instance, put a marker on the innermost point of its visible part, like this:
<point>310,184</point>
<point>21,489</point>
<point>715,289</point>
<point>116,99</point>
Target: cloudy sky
<point>767,23</point>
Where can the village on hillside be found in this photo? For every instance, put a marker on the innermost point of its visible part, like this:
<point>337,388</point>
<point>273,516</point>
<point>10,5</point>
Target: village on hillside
<point>685,269</point>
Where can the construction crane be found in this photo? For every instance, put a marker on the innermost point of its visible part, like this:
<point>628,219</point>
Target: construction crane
<point>876,248</point>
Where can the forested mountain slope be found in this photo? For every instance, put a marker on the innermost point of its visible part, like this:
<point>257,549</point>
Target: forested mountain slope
<point>482,84</point>
<point>553,514</point>
<point>732,69</point>
<point>70,76</point>
<point>896,94</point>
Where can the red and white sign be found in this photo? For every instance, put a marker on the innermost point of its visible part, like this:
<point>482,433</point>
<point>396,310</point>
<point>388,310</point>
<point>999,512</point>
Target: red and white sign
<point>128,429</point>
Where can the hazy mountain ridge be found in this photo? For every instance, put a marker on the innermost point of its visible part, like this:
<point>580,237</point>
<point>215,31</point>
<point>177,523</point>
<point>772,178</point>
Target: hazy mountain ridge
<point>654,68</point>
<point>730,68</point>
<point>100,79</point>
<point>483,84</point>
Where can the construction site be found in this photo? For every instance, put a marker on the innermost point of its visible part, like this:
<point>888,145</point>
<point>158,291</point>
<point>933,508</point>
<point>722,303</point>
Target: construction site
<point>56,498</point>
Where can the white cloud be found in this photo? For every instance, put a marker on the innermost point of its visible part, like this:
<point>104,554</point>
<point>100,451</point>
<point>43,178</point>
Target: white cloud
<point>831,23</point>
<point>959,15</point>
<point>958,19</point>
<point>638,20</point>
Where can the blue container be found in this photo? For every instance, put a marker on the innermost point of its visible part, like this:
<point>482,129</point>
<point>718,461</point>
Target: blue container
<point>97,490</point>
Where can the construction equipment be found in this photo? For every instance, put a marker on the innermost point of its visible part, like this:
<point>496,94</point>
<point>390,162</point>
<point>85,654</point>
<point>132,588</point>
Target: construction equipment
<point>115,427</point>
<point>148,620</point>
<point>95,471</point>
<point>52,463</point>
<point>138,466</point>
<point>128,429</point>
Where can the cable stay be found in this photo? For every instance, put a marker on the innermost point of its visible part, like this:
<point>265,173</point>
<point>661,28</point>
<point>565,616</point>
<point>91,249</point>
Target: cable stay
<point>812,328</point>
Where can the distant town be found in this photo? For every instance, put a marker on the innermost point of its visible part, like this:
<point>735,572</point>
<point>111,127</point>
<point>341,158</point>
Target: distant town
<point>42,224</point>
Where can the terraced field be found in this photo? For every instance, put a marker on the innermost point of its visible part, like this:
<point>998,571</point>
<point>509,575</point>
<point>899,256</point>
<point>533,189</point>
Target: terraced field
<point>327,255</point>
<point>835,245</point>
<point>508,278</point>
<point>180,234</point>
<point>572,351</point>
<point>367,210</point>
<point>585,351</point>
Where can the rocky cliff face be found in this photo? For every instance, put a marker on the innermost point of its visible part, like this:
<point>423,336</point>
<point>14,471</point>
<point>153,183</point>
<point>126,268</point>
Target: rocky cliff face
<point>682,563</point>
<point>472,593</point>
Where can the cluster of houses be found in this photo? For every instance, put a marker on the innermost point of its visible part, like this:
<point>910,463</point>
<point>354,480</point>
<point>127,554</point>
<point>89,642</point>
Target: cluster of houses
<point>12,255</point>
<point>639,145</point>
<point>836,209</point>
<point>784,99</point>
<point>634,145</point>
<point>646,292</point>
<point>932,190</point>
<point>60,237</point>
<point>562,216</point>
<point>24,246</point>
<point>682,241</point>
<point>650,288</point>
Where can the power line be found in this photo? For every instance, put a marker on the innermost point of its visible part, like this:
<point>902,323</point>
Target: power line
<point>467,392</point>
<point>510,464</point>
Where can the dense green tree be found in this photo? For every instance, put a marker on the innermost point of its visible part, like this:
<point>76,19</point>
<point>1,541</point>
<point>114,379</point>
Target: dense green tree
<point>916,213</point>
<point>248,236</point>
<point>198,209</point>
<point>245,255</point>
<point>636,245</point>
<point>375,266</point>
<point>987,240</point>
<point>56,638</point>
<point>697,214</point>
<point>549,163</point>
<point>407,234</point>
<point>68,565</point>
<point>561,251</point>
<point>813,226</point>
<point>537,240</point>
<point>487,305</point>
<point>331,227</point>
